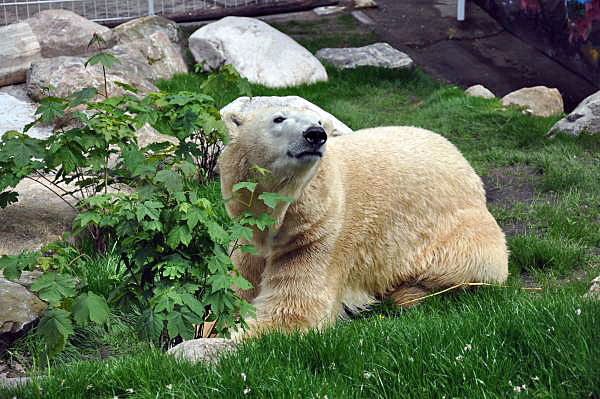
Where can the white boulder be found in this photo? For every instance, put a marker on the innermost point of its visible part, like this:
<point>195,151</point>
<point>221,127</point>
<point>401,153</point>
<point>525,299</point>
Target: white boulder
<point>244,105</point>
<point>257,51</point>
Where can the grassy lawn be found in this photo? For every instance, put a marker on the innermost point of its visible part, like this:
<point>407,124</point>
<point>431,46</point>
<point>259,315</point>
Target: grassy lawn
<point>490,342</point>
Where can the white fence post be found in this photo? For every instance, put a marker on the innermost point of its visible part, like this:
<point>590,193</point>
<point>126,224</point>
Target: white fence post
<point>150,7</point>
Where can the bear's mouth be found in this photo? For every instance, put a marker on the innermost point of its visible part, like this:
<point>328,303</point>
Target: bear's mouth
<point>306,154</point>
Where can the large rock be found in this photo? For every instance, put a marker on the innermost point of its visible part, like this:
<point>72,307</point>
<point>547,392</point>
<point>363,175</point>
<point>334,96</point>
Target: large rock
<point>66,75</point>
<point>244,105</point>
<point>378,55</point>
<point>62,32</point>
<point>206,350</point>
<point>152,58</point>
<point>585,118</point>
<point>257,51</point>
<point>16,114</point>
<point>140,63</point>
<point>19,309</point>
<point>39,218</point>
<point>141,28</point>
<point>26,279</point>
<point>539,100</point>
<point>18,49</point>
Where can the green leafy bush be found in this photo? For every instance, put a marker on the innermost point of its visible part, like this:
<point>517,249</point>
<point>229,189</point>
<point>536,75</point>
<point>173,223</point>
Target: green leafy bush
<point>146,203</point>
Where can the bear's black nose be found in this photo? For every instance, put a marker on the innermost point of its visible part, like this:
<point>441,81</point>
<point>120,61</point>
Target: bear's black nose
<point>315,135</point>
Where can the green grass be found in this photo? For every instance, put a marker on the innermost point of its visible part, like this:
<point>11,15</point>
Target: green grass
<point>473,344</point>
<point>547,200</point>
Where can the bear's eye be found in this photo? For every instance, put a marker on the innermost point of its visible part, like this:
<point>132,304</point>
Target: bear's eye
<point>279,119</point>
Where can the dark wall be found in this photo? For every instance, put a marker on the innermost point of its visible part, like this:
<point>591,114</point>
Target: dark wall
<point>566,30</point>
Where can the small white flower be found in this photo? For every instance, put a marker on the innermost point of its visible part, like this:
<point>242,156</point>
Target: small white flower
<point>536,378</point>
<point>467,347</point>
<point>129,390</point>
<point>517,388</point>
<point>367,375</point>
<point>459,358</point>
<point>170,386</point>
<point>89,386</point>
<point>411,359</point>
<point>578,312</point>
<point>247,390</point>
<point>360,342</point>
<point>243,375</point>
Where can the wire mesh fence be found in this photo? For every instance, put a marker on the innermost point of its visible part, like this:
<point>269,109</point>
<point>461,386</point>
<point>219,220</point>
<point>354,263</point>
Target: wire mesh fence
<point>111,12</point>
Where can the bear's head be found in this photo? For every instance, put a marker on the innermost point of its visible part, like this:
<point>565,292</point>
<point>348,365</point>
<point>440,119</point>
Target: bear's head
<point>286,141</point>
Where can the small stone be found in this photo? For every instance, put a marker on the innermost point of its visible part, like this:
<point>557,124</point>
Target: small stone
<point>328,10</point>
<point>19,47</point>
<point>207,350</point>
<point>479,91</point>
<point>594,291</point>
<point>364,3</point>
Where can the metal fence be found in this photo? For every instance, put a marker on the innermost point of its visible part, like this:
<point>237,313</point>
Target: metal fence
<point>112,12</point>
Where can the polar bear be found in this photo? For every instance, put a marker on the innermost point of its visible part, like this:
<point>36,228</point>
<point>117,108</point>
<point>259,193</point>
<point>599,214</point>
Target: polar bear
<point>382,212</point>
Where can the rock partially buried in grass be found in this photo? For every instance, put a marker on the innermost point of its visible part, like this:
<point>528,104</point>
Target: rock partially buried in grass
<point>538,100</point>
<point>206,350</point>
<point>584,119</point>
<point>378,55</point>
<point>479,91</point>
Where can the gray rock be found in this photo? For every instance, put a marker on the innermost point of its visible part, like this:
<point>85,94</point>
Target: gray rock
<point>479,91</point>
<point>66,75</point>
<point>19,308</point>
<point>62,32</point>
<point>141,28</point>
<point>140,63</point>
<point>538,100</point>
<point>584,119</point>
<point>378,55</point>
<point>257,51</point>
<point>39,218</point>
<point>16,114</point>
<point>19,91</point>
<point>244,105</point>
<point>26,279</point>
<point>18,49</point>
<point>206,350</point>
<point>151,58</point>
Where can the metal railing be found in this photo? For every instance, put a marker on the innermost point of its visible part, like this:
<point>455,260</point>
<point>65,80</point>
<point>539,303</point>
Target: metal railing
<point>111,12</point>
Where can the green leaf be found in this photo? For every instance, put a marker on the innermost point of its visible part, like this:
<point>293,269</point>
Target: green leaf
<point>249,249</point>
<point>179,235</point>
<point>240,231</point>
<point>194,304</point>
<point>126,86</point>
<point>245,184</point>
<point>55,327</point>
<point>216,232</point>
<point>176,325</point>
<point>171,180</point>
<point>150,324</point>
<point>82,96</point>
<point>195,215</point>
<point>220,282</point>
<point>52,287</point>
<point>90,307</point>
<point>272,199</point>
<point>106,59</point>
<point>148,208</point>
<point>241,282</point>
<point>263,221</point>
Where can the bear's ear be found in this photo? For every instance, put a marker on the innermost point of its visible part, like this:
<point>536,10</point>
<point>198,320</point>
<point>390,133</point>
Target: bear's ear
<point>328,126</point>
<point>232,121</point>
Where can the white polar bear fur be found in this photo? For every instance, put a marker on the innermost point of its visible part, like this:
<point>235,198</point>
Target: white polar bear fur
<point>392,211</point>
